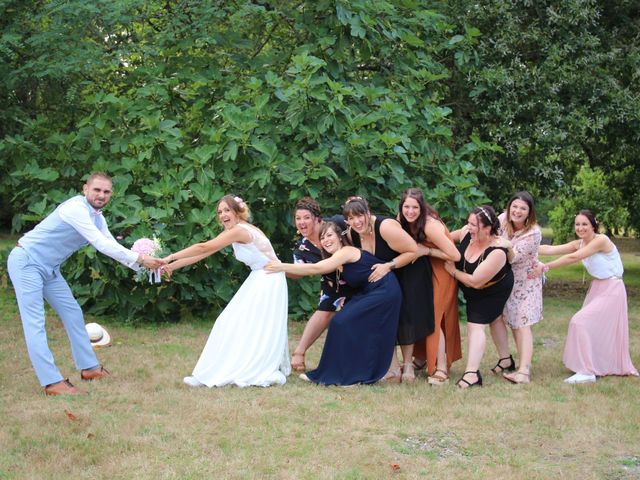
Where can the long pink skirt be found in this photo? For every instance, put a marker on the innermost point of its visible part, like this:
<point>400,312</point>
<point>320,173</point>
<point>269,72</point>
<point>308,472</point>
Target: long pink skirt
<point>598,337</point>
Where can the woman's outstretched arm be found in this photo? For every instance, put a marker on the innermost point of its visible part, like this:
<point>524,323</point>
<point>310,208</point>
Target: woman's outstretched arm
<point>342,256</point>
<point>198,251</point>
<point>600,243</point>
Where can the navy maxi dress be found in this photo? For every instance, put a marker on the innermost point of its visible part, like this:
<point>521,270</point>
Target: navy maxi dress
<point>361,336</point>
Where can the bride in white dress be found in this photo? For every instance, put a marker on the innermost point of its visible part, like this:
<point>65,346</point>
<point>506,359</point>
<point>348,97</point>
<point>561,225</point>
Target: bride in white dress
<point>248,342</point>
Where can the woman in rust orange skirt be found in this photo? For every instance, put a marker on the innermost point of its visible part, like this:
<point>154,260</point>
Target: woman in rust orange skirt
<point>441,348</point>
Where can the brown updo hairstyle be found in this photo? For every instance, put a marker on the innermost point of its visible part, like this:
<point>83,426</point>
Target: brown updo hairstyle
<point>355,206</point>
<point>417,230</point>
<point>531,220</point>
<point>309,204</point>
<point>344,240</point>
<point>486,215</point>
<point>241,209</point>
<point>591,217</point>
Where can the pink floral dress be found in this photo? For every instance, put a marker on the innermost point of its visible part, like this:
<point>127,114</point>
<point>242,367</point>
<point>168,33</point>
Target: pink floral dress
<point>524,306</point>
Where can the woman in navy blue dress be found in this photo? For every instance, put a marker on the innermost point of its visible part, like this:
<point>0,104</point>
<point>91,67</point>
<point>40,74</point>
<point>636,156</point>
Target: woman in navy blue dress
<point>361,336</point>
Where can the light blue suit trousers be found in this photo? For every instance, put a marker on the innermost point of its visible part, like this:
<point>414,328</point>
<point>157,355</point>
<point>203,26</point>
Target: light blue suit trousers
<point>33,284</point>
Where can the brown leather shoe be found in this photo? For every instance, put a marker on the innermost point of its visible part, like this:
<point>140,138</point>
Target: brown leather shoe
<point>95,374</point>
<point>63,387</point>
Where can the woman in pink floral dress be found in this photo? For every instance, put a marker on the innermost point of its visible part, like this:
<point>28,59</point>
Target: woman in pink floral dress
<point>524,307</point>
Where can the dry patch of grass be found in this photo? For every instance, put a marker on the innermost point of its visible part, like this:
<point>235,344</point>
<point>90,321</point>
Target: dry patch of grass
<point>144,423</point>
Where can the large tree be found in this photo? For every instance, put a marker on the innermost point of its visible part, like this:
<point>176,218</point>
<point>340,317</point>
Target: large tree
<point>555,85</point>
<point>183,101</point>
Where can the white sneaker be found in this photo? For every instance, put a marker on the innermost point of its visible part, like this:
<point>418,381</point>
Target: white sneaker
<point>193,382</point>
<point>580,378</point>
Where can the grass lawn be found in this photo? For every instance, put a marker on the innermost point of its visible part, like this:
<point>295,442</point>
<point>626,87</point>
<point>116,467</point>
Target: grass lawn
<point>144,423</point>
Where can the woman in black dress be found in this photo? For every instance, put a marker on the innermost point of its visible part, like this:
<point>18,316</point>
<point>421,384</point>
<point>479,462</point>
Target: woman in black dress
<point>486,278</point>
<point>385,239</point>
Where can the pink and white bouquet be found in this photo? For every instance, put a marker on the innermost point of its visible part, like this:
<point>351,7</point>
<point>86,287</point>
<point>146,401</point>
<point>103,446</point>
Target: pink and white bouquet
<point>153,247</point>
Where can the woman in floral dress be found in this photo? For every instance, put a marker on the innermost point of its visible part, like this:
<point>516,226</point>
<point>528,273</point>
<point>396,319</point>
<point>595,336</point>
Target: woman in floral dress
<point>524,306</point>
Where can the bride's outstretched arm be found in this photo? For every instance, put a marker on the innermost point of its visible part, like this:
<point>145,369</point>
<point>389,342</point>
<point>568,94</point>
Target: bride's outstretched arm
<point>201,250</point>
<point>342,256</point>
<point>171,267</point>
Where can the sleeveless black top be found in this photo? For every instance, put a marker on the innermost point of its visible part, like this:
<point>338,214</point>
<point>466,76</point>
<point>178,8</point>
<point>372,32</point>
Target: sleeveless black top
<point>383,251</point>
<point>486,303</point>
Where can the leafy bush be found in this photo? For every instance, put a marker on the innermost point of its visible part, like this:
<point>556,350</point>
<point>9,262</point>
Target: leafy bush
<point>589,192</point>
<point>182,102</point>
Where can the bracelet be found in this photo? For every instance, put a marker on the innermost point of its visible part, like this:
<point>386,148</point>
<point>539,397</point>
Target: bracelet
<point>545,268</point>
<point>393,264</point>
<point>142,259</point>
<point>454,274</point>
<point>429,254</point>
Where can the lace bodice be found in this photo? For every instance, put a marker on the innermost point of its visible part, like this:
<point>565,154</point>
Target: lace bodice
<point>257,253</point>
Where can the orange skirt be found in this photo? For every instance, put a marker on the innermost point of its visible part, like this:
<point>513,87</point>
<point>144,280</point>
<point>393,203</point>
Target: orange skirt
<point>445,306</point>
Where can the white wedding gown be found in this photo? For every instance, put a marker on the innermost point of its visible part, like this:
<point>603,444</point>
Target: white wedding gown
<point>248,343</point>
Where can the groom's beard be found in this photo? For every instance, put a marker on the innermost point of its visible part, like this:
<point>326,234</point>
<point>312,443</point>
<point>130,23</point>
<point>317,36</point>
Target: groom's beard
<point>98,205</point>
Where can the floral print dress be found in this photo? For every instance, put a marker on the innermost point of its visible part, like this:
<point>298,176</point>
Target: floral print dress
<point>524,306</point>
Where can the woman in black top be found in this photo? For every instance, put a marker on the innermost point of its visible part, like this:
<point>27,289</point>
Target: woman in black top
<point>486,278</point>
<point>333,293</point>
<point>385,239</point>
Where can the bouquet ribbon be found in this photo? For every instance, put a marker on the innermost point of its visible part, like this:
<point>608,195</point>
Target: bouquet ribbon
<point>155,276</point>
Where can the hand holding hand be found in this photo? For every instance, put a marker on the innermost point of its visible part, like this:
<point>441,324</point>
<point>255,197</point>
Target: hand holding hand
<point>423,251</point>
<point>538,270</point>
<point>379,270</point>
<point>450,267</point>
<point>166,271</point>
<point>504,243</point>
<point>152,262</point>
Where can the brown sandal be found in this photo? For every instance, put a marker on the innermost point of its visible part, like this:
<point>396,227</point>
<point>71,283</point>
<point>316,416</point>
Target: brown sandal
<point>298,366</point>
<point>439,377</point>
<point>519,378</point>
<point>392,376</point>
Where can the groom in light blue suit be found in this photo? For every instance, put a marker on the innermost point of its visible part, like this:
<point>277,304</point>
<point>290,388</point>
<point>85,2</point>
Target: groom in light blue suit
<point>34,269</point>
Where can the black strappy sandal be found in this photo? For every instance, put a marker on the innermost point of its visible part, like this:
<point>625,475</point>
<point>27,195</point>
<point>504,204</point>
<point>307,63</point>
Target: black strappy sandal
<point>417,366</point>
<point>462,381</point>
<point>498,369</point>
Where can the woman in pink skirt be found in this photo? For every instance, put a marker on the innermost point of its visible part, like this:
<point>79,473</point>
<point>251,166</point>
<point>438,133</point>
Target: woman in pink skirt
<point>598,337</point>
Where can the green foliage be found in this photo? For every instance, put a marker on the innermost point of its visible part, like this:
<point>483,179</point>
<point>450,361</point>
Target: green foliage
<point>555,85</point>
<point>590,191</point>
<point>185,101</point>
